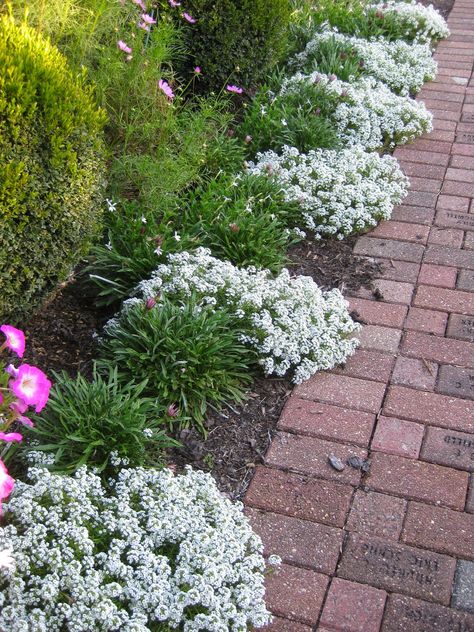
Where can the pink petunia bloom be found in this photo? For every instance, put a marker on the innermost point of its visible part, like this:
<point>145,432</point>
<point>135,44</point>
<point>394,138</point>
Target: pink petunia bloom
<point>166,88</point>
<point>11,370</point>
<point>197,70</point>
<point>31,386</point>
<point>123,47</point>
<point>6,483</point>
<point>174,4</point>
<point>148,19</point>
<point>189,18</point>
<point>15,339</point>
<point>19,406</point>
<point>235,89</point>
<point>26,421</point>
<point>141,4</point>
<point>10,436</point>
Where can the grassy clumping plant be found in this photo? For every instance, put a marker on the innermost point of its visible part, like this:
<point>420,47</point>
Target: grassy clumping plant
<point>51,167</point>
<point>101,423</point>
<point>300,119</point>
<point>189,355</point>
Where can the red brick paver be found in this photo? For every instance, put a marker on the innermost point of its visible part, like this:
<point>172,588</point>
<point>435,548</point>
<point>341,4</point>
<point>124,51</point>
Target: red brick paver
<point>387,544</point>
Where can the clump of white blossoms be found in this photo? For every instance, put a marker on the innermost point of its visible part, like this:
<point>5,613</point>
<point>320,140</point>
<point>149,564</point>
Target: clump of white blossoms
<point>369,113</point>
<point>291,324</point>
<point>402,66</point>
<point>340,192</point>
<point>153,552</point>
<point>415,21</point>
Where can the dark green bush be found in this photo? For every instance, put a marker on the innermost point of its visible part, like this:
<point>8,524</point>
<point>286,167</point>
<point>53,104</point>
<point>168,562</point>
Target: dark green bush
<point>236,42</point>
<point>189,356</point>
<point>93,423</point>
<point>51,168</point>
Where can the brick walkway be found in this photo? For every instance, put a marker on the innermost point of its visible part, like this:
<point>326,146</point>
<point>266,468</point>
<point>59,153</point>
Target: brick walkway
<point>392,549</point>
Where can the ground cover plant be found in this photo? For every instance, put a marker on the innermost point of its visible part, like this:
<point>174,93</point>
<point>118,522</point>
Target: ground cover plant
<point>149,552</point>
<point>52,168</point>
<point>403,67</point>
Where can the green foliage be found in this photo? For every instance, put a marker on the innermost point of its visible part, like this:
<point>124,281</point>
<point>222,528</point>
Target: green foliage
<point>332,57</point>
<point>190,356</point>
<point>299,119</point>
<point>93,423</point>
<point>237,42</point>
<point>243,219</point>
<point>51,168</point>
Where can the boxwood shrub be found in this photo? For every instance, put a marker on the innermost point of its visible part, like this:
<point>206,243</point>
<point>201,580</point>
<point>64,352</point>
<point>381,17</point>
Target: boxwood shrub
<point>51,168</point>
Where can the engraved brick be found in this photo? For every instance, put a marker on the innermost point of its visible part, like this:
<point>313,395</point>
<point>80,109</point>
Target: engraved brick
<point>448,447</point>
<point>397,567</point>
<point>457,381</point>
<point>461,327</point>
<point>417,480</point>
<point>299,496</point>
<point>463,221</point>
<point>440,529</point>
<point>404,614</point>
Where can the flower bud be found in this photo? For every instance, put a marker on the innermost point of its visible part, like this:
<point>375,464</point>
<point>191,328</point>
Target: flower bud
<point>150,304</point>
<point>248,139</point>
<point>172,410</point>
<point>234,228</point>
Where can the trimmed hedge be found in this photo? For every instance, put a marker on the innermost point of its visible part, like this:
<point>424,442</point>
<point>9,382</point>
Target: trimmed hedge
<point>52,165</point>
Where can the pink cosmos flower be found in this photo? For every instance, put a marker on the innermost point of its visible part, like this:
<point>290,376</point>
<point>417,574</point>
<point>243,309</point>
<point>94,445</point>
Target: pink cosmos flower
<point>6,483</point>
<point>166,88</point>
<point>197,70</point>
<point>140,3</point>
<point>148,19</point>
<point>235,89</point>
<point>10,436</point>
<point>6,560</point>
<point>15,339</point>
<point>123,47</point>
<point>144,26</point>
<point>31,386</point>
<point>174,4</point>
<point>189,18</point>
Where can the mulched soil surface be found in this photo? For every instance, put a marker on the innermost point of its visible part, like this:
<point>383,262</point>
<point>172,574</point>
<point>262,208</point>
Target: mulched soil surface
<point>62,337</point>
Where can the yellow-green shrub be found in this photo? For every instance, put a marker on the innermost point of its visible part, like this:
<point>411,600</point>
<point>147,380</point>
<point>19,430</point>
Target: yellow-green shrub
<point>51,168</point>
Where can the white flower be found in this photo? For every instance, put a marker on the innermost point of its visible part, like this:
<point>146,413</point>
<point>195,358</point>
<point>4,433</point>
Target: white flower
<point>177,237</point>
<point>6,560</point>
<point>143,219</point>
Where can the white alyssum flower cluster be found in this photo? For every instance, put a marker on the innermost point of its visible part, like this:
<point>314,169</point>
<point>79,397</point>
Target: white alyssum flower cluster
<point>292,325</point>
<point>402,66</point>
<point>425,22</point>
<point>340,192</point>
<point>369,113</point>
<point>153,551</point>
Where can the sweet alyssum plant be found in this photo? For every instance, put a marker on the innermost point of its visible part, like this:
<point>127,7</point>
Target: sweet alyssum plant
<point>291,325</point>
<point>149,552</point>
<point>338,192</point>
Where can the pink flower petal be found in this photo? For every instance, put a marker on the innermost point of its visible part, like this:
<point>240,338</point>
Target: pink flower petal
<point>6,483</point>
<point>235,89</point>
<point>166,88</point>
<point>124,47</point>
<point>189,18</point>
<point>10,436</point>
<point>31,386</point>
<point>15,339</point>
<point>148,19</point>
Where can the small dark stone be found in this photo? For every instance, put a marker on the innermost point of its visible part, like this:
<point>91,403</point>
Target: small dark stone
<point>359,464</point>
<point>336,462</point>
<point>377,294</point>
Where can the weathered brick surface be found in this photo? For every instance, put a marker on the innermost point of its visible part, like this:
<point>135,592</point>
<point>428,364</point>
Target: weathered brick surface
<point>446,300</point>
<point>463,594</point>
<point>415,373</point>
<point>417,480</point>
<point>440,276</point>
<point>404,614</point>
<point>445,256</point>
<point>396,436</point>
<point>352,607</point>
<point>296,593</point>
<point>397,567</point>
<point>299,496</point>
<point>439,529</point>
<point>446,411</point>
<point>377,514</point>
<point>394,291</point>
<point>470,496</point>
<point>454,219</point>
<point>413,214</point>
<point>326,421</point>
<point>298,542</point>
<point>448,447</point>
<point>378,338</point>
<point>285,625</point>
<point>344,391</point>
<point>402,231</point>
<point>437,349</point>
<point>378,313</point>
<point>446,236</point>
<point>368,365</point>
<point>426,320</point>
<point>390,249</point>
<point>457,381</point>
<point>461,327</point>
<point>453,203</point>
<point>466,280</point>
<point>309,455</point>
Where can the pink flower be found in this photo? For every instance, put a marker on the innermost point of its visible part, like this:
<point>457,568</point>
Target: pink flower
<point>197,70</point>
<point>173,410</point>
<point>150,304</point>
<point>11,370</point>
<point>189,18</point>
<point>6,483</point>
<point>11,436</point>
<point>140,3</point>
<point>235,89</point>
<point>148,19</point>
<point>26,421</point>
<point>19,406</point>
<point>174,4</point>
<point>166,88</point>
<point>1,398</point>
<point>123,47</point>
<point>31,386</point>
<point>15,339</point>
<point>144,26</point>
